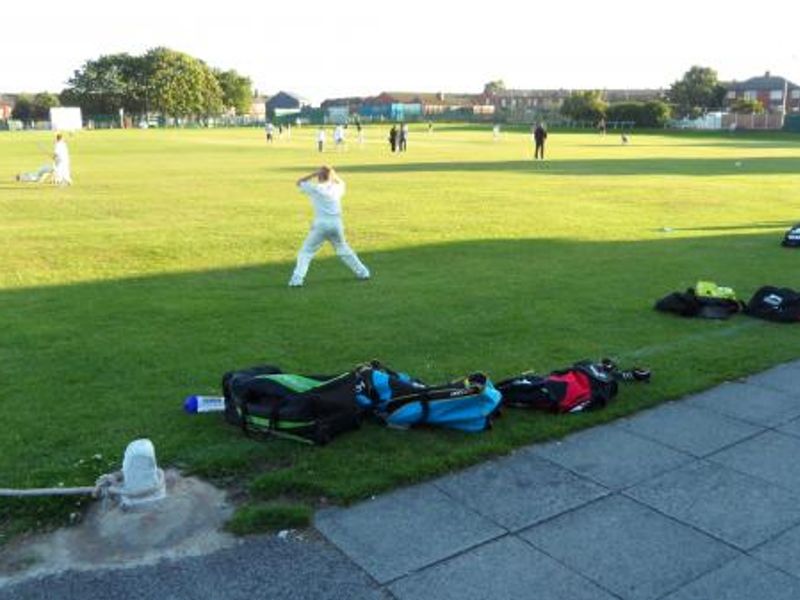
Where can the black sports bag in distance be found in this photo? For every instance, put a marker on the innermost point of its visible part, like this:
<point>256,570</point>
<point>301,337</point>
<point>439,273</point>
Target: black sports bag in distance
<point>792,237</point>
<point>775,304</point>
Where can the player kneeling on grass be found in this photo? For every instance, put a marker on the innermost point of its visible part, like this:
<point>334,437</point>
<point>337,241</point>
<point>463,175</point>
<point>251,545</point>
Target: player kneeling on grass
<point>59,171</point>
<point>326,196</point>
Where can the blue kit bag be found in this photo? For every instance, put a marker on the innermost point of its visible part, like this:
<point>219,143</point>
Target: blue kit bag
<point>402,402</point>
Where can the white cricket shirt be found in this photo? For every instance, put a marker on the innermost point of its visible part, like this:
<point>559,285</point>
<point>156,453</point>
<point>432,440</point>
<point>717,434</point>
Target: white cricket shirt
<point>61,154</point>
<point>326,198</point>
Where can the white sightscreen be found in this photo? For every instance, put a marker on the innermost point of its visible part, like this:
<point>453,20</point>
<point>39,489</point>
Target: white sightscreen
<point>65,118</point>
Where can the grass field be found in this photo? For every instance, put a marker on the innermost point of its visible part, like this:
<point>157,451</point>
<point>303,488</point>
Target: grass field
<point>166,265</point>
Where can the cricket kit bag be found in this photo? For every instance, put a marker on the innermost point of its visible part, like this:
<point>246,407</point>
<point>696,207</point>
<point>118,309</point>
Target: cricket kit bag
<point>792,237</point>
<point>706,300</point>
<point>377,384</point>
<point>308,408</point>
<point>775,304</point>
<point>582,387</point>
<point>402,402</point>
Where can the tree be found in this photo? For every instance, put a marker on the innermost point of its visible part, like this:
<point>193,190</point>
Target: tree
<point>584,106</point>
<point>644,114</point>
<point>697,92</point>
<point>493,87</point>
<point>42,103</point>
<point>747,107</point>
<point>23,108</point>
<point>236,90</point>
<point>108,84</point>
<point>181,86</point>
<point>655,113</point>
<point>164,80</point>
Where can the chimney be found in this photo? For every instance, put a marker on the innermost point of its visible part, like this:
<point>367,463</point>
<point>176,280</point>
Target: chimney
<point>440,96</point>
<point>766,74</point>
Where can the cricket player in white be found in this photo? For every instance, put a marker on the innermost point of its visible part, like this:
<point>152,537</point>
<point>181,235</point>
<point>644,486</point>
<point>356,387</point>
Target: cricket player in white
<point>326,196</point>
<point>338,137</point>
<point>61,169</point>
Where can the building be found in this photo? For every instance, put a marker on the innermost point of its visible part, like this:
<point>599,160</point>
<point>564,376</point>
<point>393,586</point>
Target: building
<point>519,103</point>
<point>634,95</point>
<point>7,102</point>
<point>339,110</point>
<point>776,94</point>
<point>258,108</point>
<point>285,103</point>
<point>404,106</point>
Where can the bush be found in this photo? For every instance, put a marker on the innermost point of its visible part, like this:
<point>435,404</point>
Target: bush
<point>644,114</point>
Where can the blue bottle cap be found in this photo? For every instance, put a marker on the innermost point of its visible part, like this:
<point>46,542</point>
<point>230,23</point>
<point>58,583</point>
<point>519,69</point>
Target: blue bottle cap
<point>190,404</point>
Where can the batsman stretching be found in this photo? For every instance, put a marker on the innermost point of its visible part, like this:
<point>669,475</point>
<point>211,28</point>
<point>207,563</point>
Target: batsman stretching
<point>326,196</point>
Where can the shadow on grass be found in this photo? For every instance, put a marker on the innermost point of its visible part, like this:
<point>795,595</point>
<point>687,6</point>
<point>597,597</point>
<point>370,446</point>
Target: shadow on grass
<point>89,367</point>
<point>708,167</point>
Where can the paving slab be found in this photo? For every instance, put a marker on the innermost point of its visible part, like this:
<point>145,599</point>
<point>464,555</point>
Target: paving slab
<point>406,530</point>
<point>507,568</point>
<point>520,490</point>
<point>783,552</point>
<point>770,456</point>
<point>783,378</point>
<point>739,509</point>
<point>696,431</point>
<point>791,428</point>
<point>752,403</point>
<point>612,456</point>
<point>741,579</point>
<point>629,549</point>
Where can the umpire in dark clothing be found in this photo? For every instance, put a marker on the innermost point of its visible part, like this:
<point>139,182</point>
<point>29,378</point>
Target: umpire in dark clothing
<point>539,136</point>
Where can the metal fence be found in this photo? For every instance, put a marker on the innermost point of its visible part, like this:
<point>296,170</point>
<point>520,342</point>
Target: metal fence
<point>734,121</point>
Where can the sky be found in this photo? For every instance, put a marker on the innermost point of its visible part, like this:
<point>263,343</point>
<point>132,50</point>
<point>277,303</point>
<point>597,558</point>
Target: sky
<point>347,47</point>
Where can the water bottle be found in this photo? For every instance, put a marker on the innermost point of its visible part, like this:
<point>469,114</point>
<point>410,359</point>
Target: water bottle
<point>202,404</point>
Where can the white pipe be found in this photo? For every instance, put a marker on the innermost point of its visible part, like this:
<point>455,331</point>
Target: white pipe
<point>75,491</point>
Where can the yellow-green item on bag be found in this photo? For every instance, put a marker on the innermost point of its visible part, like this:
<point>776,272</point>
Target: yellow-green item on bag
<point>709,289</point>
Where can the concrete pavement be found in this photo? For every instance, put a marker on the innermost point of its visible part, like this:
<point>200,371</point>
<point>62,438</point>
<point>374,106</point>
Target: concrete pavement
<point>695,499</point>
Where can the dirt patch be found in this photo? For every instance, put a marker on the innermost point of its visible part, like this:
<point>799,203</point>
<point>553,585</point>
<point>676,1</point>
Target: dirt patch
<point>188,522</point>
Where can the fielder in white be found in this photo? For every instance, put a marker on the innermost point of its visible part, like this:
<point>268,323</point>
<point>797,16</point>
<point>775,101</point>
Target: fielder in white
<point>59,170</point>
<point>62,174</point>
<point>326,196</point>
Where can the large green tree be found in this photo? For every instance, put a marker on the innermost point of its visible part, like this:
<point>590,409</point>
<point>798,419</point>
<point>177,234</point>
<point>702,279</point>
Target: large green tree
<point>181,86</point>
<point>697,92</point>
<point>584,106</point>
<point>236,91</point>
<point>163,80</point>
<point>108,84</point>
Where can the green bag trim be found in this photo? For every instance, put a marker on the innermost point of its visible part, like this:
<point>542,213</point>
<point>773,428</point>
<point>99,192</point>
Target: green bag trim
<point>299,383</point>
<point>296,383</point>
<point>267,423</point>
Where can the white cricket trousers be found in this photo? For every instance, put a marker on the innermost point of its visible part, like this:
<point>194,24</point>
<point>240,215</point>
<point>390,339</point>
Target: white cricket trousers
<point>331,230</point>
